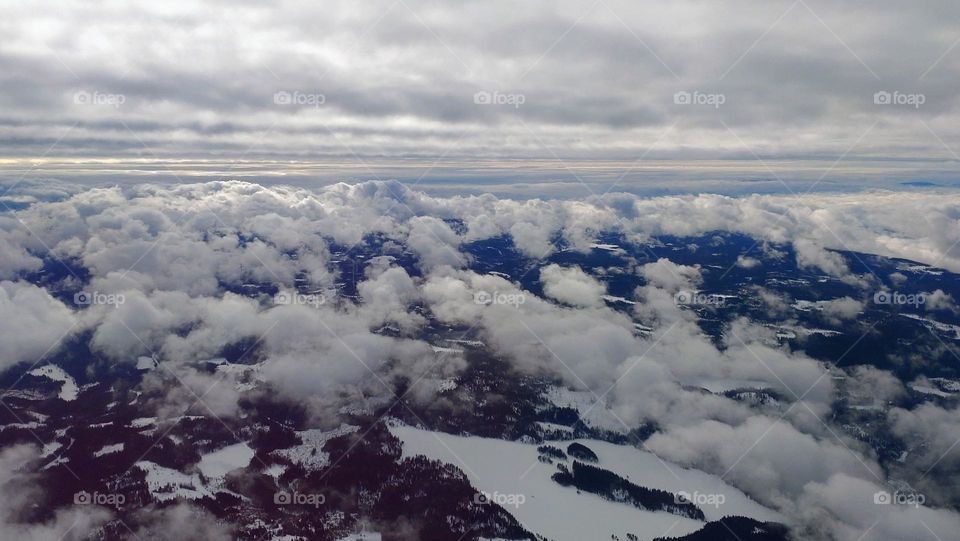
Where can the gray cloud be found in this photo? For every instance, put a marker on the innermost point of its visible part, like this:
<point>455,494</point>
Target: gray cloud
<point>598,80</point>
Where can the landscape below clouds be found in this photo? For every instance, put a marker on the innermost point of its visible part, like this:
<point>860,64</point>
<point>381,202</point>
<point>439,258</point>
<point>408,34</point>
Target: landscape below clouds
<point>734,338</point>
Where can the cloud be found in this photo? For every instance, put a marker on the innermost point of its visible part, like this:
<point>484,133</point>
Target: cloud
<point>844,308</point>
<point>572,286</point>
<point>34,323</point>
<point>770,460</point>
<point>190,522</point>
<point>846,508</point>
<point>204,268</point>
<point>798,92</point>
<point>20,493</point>
<point>939,300</point>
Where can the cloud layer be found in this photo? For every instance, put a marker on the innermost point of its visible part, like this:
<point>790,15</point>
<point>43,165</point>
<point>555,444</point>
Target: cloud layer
<point>204,267</point>
<point>570,79</point>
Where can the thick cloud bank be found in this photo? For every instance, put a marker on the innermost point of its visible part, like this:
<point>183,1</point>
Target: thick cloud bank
<point>180,273</point>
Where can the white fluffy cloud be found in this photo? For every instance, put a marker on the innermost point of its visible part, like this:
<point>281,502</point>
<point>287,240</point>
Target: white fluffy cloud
<point>572,286</point>
<point>34,323</point>
<point>194,264</point>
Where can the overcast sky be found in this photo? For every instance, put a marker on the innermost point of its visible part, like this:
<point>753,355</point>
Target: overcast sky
<point>382,81</point>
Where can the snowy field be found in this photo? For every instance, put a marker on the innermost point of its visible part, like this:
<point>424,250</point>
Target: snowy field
<point>562,513</point>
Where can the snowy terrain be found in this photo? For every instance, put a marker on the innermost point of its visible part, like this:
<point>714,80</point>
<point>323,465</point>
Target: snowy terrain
<point>68,387</point>
<point>512,468</point>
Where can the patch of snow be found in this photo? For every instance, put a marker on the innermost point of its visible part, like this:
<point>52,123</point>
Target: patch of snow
<point>218,464</point>
<point>441,349</point>
<point>309,454</point>
<point>275,470</point>
<point>146,363</point>
<point>943,327</point>
<point>68,385</point>
<point>786,331</point>
<point>920,269</point>
<point>109,449</point>
<point>371,536</point>
<point>596,416</point>
<point>167,484</point>
<point>949,385</point>
<point>508,467</point>
<point>611,298</point>
<point>56,462</point>
<point>50,448</point>
<point>448,384</point>
<point>475,343</point>
<point>925,389</point>
<point>25,426</point>
<point>718,386</point>
<point>608,247</point>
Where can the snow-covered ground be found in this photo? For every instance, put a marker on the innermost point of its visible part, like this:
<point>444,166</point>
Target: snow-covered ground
<point>309,454</point>
<point>68,385</point>
<point>608,247</point>
<point>109,450</point>
<point>613,299</point>
<point>167,484</point>
<point>923,389</point>
<point>563,513</point>
<point>930,323</point>
<point>146,363</point>
<point>217,464</point>
<point>791,331</point>
<point>592,414</point>
<point>372,536</point>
